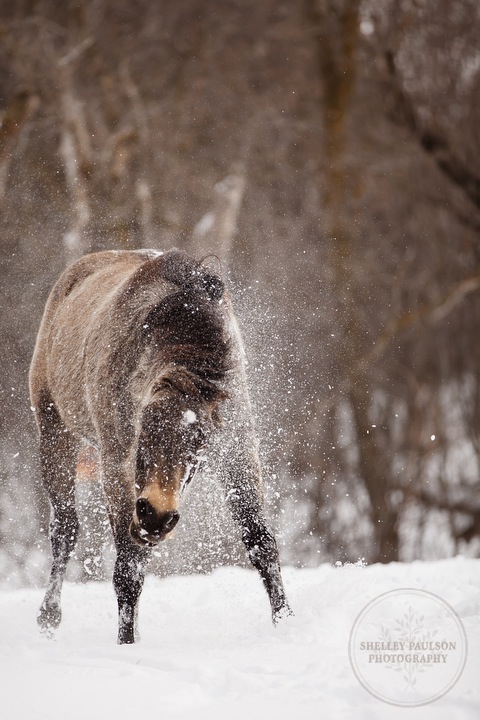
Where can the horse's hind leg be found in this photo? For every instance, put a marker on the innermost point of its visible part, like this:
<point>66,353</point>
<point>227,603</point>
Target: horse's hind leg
<point>58,464</point>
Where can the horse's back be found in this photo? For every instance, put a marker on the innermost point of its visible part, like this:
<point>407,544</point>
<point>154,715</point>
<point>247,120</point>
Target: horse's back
<point>80,301</point>
<point>109,263</point>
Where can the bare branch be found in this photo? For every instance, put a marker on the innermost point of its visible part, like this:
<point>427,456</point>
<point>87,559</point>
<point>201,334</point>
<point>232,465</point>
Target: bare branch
<point>433,312</point>
<point>216,230</point>
<point>13,120</point>
<point>436,146</point>
<point>76,52</point>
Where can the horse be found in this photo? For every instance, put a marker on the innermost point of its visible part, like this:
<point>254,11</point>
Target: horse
<point>139,356</point>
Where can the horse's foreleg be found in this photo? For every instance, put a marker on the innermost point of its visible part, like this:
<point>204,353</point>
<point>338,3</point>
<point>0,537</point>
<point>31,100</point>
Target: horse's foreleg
<point>58,460</point>
<point>263,552</point>
<point>128,578</point>
<point>129,571</point>
<point>241,477</point>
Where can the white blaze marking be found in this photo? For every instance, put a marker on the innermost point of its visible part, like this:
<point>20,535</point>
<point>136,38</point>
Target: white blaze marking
<point>189,417</point>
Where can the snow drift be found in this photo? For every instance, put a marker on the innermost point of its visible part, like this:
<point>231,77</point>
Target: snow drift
<point>209,650</point>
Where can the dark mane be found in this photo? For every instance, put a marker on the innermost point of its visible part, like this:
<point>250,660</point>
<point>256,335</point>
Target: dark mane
<point>182,270</point>
<point>188,327</point>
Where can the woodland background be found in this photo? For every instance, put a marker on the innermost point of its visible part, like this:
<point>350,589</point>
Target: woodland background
<point>328,152</point>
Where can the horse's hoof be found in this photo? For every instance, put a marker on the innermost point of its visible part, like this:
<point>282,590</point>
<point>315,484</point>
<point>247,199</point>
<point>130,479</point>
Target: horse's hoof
<point>282,614</point>
<point>48,620</point>
<point>125,640</point>
<point>47,632</point>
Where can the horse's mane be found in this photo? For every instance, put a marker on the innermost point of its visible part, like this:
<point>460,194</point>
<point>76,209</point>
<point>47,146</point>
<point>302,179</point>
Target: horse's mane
<point>188,326</point>
<point>182,270</point>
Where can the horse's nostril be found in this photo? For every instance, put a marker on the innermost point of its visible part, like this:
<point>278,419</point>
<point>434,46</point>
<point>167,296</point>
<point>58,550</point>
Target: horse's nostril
<point>143,508</point>
<point>152,521</point>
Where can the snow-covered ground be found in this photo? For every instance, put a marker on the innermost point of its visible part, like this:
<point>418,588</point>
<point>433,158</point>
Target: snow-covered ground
<point>208,649</point>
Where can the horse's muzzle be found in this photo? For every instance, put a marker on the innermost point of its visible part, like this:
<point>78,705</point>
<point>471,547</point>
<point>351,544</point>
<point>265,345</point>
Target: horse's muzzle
<point>149,526</point>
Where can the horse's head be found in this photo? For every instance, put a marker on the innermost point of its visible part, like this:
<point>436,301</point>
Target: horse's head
<point>176,424</point>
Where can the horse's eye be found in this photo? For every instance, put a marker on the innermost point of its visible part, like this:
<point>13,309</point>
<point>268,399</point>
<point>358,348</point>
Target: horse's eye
<point>200,437</point>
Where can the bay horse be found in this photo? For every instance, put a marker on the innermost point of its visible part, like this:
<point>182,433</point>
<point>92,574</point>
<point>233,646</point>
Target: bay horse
<point>139,356</point>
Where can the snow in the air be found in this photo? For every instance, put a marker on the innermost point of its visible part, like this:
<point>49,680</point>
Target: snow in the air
<point>209,651</point>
